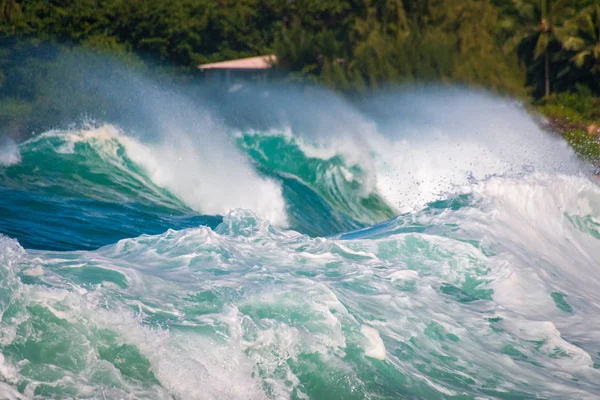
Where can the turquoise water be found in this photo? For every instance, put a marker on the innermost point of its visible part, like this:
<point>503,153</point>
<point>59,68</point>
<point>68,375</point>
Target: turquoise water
<point>438,264</point>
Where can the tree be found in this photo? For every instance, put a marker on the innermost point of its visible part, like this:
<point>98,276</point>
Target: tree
<point>583,37</point>
<point>378,41</point>
<point>538,22</point>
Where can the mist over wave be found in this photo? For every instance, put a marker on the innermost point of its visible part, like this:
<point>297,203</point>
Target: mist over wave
<point>366,162</point>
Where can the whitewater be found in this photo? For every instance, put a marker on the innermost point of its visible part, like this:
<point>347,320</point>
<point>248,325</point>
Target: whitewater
<point>429,243</point>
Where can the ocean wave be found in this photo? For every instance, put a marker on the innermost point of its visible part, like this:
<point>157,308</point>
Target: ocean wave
<point>368,168</point>
<point>493,296</point>
<point>104,163</point>
<point>347,185</point>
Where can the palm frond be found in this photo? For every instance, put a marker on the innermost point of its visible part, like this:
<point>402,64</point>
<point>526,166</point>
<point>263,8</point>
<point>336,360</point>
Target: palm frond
<point>580,58</point>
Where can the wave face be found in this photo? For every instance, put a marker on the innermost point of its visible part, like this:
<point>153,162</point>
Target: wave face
<point>341,185</point>
<point>320,176</point>
<point>112,174</point>
<point>80,190</point>
<point>424,244</point>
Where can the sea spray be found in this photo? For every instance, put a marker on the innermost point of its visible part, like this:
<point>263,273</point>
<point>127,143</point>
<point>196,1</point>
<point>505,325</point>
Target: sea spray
<point>9,152</point>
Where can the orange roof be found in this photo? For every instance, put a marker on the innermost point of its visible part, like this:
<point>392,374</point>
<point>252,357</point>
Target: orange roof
<point>261,62</point>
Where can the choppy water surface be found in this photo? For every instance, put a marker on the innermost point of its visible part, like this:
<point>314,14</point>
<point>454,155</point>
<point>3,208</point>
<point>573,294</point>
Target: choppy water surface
<point>446,248</point>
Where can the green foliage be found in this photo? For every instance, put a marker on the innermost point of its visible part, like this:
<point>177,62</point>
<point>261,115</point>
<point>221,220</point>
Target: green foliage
<point>572,113</point>
<point>585,145</point>
<point>185,32</point>
<point>398,41</point>
<point>557,39</point>
<point>350,45</point>
<point>579,106</point>
<point>581,47</point>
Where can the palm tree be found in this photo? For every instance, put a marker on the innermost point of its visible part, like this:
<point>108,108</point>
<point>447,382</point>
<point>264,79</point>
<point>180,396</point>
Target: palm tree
<point>538,21</point>
<point>582,35</point>
<point>10,12</point>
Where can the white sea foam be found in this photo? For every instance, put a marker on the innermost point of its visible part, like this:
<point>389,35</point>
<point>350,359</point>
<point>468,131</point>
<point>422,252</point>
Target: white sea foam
<point>473,295</point>
<point>209,178</point>
<point>374,347</point>
<point>9,393</point>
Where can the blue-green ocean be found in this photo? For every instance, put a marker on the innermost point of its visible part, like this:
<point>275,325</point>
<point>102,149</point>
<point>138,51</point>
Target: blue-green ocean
<point>447,248</point>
